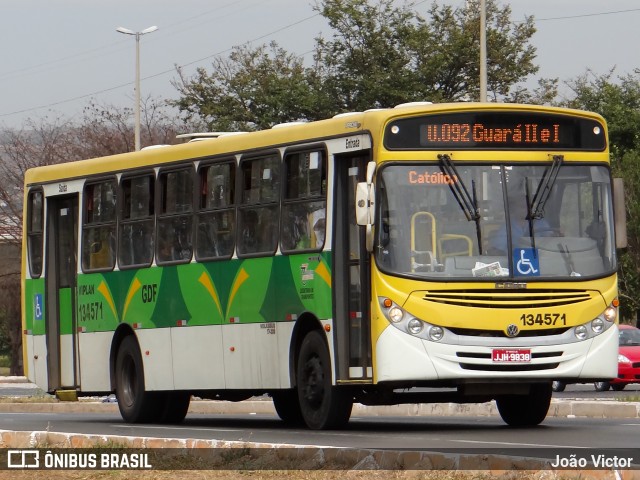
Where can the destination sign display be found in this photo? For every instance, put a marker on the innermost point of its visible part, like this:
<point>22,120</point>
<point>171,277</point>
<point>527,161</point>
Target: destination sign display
<point>496,130</point>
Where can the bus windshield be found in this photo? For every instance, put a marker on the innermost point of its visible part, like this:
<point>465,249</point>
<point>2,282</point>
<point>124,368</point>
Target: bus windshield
<point>510,220</point>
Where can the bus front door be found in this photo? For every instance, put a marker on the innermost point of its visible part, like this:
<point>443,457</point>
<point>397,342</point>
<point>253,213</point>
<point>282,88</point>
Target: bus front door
<point>351,275</point>
<point>61,268</point>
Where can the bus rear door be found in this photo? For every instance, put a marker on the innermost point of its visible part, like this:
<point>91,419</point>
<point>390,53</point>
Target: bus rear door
<point>61,268</point>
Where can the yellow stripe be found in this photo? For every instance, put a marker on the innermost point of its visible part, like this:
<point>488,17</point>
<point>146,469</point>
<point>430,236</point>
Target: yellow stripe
<point>104,290</point>
<point>135,286</point>
<point>323,273</point>
<point>240,279</point>
<point>205,280</point>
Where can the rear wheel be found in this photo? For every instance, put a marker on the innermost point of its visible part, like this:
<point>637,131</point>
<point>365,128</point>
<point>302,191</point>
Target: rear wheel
<point>322,405</point>
<point>526,410</point>
<point>136,405</point>
<point>601,386</point>
<point>558,386</point>
<point>174,407</point>
<point>618,386</point>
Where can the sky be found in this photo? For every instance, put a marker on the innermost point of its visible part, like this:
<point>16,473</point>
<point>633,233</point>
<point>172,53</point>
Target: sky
<point>58,55</point>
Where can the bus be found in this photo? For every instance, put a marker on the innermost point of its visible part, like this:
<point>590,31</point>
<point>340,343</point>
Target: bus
<point>460,252</point>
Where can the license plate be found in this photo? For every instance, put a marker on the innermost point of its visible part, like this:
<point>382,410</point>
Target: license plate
<point>504,355</point>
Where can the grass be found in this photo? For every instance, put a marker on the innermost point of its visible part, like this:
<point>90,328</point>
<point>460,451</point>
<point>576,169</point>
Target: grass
<point>629,398</point>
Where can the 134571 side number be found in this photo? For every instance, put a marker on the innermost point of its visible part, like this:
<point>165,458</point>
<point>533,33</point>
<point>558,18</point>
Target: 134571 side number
<point>530,319</point>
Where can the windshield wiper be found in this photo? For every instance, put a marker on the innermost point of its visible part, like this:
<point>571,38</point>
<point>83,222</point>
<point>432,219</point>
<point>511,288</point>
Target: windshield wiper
<point>467,202</point>
<point>543,192</point>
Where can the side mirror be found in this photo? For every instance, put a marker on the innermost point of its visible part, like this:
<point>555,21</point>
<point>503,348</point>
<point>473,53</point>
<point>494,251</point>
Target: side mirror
<point>365,204</point>
<point>619,213</point>
<point>365,194</point>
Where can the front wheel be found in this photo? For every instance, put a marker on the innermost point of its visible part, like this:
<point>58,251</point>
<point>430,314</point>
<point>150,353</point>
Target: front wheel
<point>618,387</point>
<point>322,404</point>
<point>526,410</point>
<point>601,386</point>
<point>558,386</point>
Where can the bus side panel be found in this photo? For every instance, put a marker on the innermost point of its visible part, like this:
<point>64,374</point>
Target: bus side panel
<point>197,357</point>
<point>94,354</point>
<point>251,356</point>
<point>157,360</point>
<point>38,369</point>
<point>34,314</point>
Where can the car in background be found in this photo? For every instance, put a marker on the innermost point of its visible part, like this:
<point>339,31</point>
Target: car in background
<point>628,362</point>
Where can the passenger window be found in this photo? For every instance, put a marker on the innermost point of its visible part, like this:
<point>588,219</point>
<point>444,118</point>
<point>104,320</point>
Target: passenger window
<point>136,221</point>
<point>175,218</point>
<point>304,204</point>
<point>216,216</point>
<point>99,227</point>
<point>259,212</point>
<point>34,232</point>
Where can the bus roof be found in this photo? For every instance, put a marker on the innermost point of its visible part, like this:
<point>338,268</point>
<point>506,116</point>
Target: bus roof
<point>228,143</point>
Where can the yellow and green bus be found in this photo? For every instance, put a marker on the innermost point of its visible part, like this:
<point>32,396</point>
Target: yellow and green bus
<point>424,253</point>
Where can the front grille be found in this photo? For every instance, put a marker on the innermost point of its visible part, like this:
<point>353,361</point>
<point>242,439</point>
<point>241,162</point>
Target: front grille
<point>470,332</point>
<point>517,299</point>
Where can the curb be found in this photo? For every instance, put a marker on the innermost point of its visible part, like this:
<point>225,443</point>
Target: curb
<point>230,455</point>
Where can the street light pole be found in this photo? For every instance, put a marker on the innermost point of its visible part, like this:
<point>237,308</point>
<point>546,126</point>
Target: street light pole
<point>483,51</point>
<point>126,31</point>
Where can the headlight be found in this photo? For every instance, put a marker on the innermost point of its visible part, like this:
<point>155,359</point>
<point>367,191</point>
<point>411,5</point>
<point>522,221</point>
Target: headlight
<point>436,333</point>
<point>407,323</point>
<point>414,326</point>
<point>623,359</point>
<point>395,314</point>
<point>597,325</point>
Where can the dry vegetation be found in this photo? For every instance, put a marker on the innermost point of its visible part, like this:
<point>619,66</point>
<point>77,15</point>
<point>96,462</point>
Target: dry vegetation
<point>288,475</point>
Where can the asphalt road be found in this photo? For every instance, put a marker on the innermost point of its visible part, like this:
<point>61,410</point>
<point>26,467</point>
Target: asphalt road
<point>362,432</point>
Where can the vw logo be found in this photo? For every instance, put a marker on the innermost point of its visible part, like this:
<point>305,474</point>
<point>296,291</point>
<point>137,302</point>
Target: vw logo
<point>512,331</point>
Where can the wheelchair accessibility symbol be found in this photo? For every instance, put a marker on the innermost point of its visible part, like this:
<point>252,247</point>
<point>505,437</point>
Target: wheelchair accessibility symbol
<point>526,262</point>
<point>37,306</point>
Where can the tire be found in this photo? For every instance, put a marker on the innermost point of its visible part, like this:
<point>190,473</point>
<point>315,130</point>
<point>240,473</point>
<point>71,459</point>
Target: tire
<point>175,407</point>
<point>526,410</point>
<point>558,386</point>
<point>136,405</point>
<point>287,406</point>
<point>618,387</point>
<point>322,405</point>
<point>601,386</point>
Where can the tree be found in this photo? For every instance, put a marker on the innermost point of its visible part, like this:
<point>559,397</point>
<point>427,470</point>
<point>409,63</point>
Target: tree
<point>379,55</point>
<point>252,89</point>
<point>108,130</point>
